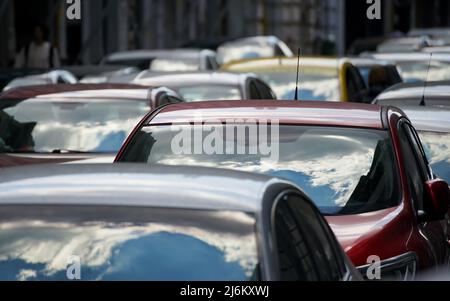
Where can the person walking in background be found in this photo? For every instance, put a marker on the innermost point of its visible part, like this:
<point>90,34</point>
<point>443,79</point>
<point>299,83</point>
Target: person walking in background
<point>39,54</point>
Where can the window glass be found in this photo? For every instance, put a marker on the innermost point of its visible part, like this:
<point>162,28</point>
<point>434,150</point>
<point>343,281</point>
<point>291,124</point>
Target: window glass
<point>416,176</point>
<point>264,90</point>
<point>47,125</point>
<point>119,243</point>
<point>437,148</point>
<point>315,83</point>
<point>344,170</point>
<point>311,244</point>
<point>254,90</point>
<point>296,262</point>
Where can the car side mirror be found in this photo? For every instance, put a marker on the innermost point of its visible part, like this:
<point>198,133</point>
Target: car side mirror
<point>437,199</point>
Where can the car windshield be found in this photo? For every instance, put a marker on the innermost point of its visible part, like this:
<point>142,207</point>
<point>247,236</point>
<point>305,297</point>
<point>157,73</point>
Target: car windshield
<point>344,170</point>
<point>50,125</point>
<point>53,243</point>
<point>209,92</point>
<point>437,148</point>
<point>315,83</point>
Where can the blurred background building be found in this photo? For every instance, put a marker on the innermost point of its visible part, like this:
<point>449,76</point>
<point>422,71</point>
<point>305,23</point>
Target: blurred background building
<point>317,26</point>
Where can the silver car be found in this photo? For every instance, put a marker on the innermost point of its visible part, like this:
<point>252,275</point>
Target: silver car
<point>132,222</point>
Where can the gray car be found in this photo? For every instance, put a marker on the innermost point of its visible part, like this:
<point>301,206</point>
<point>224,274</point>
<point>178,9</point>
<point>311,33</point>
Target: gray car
<point>415,94</point>
<point>165,60</point>
<point>133,222</point>
<point>201,86</point>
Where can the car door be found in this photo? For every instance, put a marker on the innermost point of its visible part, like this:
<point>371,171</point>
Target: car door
<point>306,248</point>
<point>418,172</point>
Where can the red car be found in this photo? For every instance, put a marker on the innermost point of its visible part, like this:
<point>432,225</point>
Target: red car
<point>363,165</point>
<point>72,123</point>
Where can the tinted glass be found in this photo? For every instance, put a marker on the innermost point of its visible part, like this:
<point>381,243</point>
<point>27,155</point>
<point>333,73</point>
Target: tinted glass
<point>307,249</point>
<point>113,243</point>
<point>264,90</point>
<point>344,170</point>
<point>296,262</point>
<point>415,174</point>
<point>43,125</point>
<point>437,148</point>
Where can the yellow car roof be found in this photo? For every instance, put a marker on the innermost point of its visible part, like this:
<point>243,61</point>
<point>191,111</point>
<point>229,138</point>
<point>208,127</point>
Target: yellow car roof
<point>283,63</point>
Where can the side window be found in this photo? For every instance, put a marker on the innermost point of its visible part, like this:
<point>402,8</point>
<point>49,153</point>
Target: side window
<point>306,248</point>
<point>415,169</point>
<point>253,89</point>
<point>265,91</point>
<point>60,80</point>
<point>355,85</point>
<point>422,157</point>
<point>212,63</point>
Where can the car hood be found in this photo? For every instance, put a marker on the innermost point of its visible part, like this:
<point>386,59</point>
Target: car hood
<point>350,230</point>
<point>10,160</point>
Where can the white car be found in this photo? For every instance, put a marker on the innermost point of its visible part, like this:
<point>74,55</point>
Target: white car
<point>49,78</point>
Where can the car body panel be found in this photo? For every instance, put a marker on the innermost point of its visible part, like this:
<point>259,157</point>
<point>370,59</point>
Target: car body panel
<point>286,112</point>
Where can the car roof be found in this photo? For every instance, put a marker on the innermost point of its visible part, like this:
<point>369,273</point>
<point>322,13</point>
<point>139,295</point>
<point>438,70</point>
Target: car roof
<point>368,62</point>
<point>191,78</point>
<point>286,112</point>
<point>415,91</point>
<point>434,119</point>
<point>160,53</point>
<point>86,91</point>
<point>135,185</point>
<point>286,62</point>
<point>409,56</point>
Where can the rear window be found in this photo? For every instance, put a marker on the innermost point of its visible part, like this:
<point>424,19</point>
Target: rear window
<point>111,243</point>
<point>344,170</point>
<point>40,125</point>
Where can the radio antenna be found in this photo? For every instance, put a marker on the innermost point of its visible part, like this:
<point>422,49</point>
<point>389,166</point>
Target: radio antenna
<point>422,102</point>
<point>298,73</point>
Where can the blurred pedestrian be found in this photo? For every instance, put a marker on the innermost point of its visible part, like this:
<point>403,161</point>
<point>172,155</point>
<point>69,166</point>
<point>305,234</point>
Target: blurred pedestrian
<point>39,53</point>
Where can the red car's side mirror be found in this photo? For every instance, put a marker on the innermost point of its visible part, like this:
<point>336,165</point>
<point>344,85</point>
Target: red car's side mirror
<point>437,199</point>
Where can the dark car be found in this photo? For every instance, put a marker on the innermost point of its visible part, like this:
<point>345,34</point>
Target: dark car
<point>435,93</point>
<point>132,222</point>
<point>200,86</point>
<point>165,60</point>
<point>63,123</point>
<point>362,165</point>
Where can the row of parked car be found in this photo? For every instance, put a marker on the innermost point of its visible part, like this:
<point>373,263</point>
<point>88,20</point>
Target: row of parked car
<point>92,173</point>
